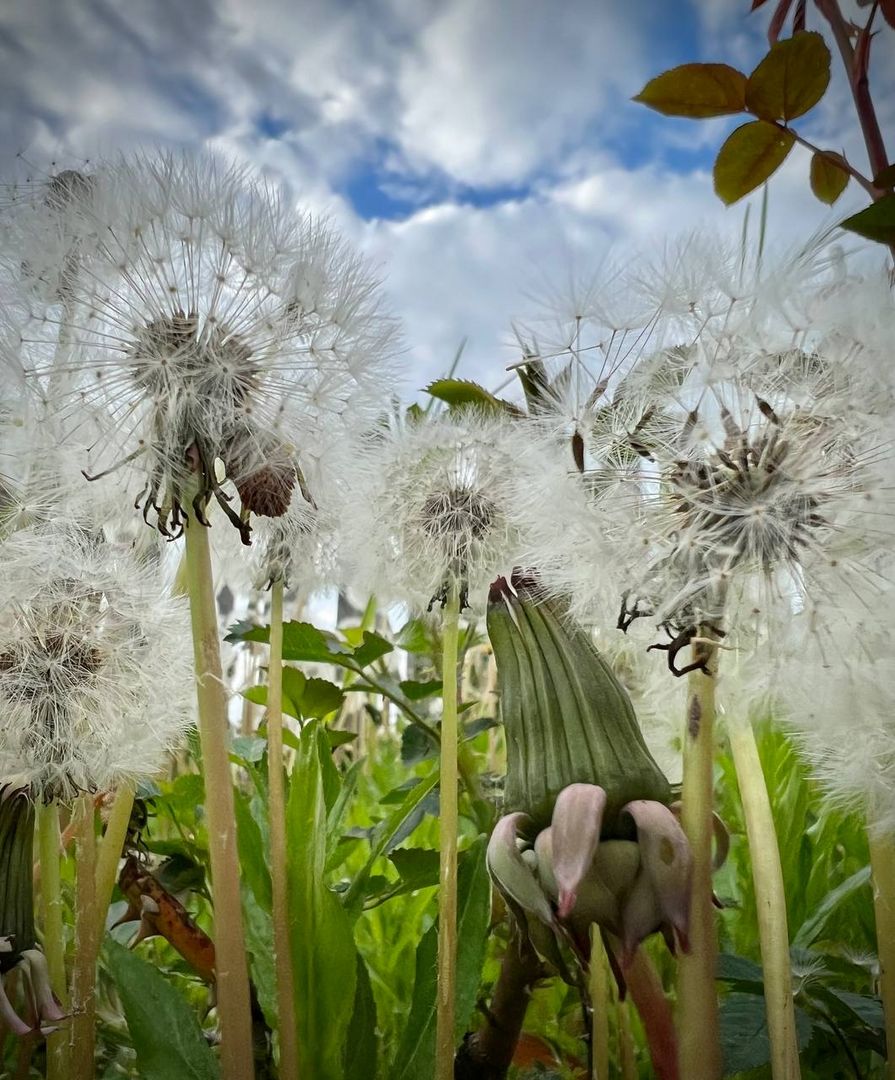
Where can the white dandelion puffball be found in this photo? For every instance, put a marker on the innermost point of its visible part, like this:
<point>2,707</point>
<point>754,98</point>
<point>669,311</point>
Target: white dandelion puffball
<point>840,708</point>
<point>439,503</point>
<point>94,666</point>
<point>215,331</point>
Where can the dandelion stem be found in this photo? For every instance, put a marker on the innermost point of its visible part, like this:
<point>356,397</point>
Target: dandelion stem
<point>50,848</point>
<point>598,986</point>
<point>232,977</point>
<point>110,854</point>
<point>770,901</point>
<point>448,816</point>
<point>700,1051</point>
<point>882,862</point>
<point>286,1011</point>
<point>83,979</point>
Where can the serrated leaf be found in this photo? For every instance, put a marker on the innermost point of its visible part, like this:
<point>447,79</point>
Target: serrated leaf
<point>165,1032</point>
<point>417,867</point>
<point>320,698</point>
<point>416,745</point>
<point>828,178</point>
<point>751,154</point>
<point>372,648</point>
<point>415,1059</point>
<point>731,968</point>
<point>791,79</point>
<point>744,1032</point>
<point>697,91</point>
<point>416,691</point>
<point>877,222</point>
<point>462,393</point>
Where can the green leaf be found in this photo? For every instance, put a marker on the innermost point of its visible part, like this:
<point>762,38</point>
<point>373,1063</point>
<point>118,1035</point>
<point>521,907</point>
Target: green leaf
<point>828,178</point>
<point>259,945</point>
<point>415,637</point>
<point>416,1055</point>
<point>373,648</point>
<point>877,222</point>
<point>252,849</point>
<point>461,393</point>
<point>361,1049</point>
<point>320,698</point>
<point>389,833</point>
<point>337,737</point>
<point>416,691</point>
<point>791,79</point>
<point>418,867</point>
<point>697,91</point>
<point>744,1032</point>
<point>738,969</point>
<point>749,156</point>
<point>416,745</point>
<point>165,1032</point>
<point>258,696</point>
<point>323,950</point>
<point>813,926</point>
<point>248,748</point>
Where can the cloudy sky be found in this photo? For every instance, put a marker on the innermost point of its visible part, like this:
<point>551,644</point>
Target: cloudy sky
<point>484,152</point>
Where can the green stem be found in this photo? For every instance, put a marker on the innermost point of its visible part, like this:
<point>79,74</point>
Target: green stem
<point>882,862</point>
<point>770,902</point>
<point>110,849</point>
<point>699,1046</point>
<point>447,876</point>
<point>286,1008</point>
<point>231,969</point>
<point>598,986</point>
<point>82,1043</point>
<point>51,908</point>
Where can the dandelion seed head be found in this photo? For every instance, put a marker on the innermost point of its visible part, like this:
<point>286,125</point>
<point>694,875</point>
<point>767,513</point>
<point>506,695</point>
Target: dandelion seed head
<point>209,325</point>
<point>92,666</point>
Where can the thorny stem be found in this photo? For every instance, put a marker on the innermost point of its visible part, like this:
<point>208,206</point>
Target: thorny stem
<point>882,863</point>
<point>110,853</point>
<point>598,987</point>
<point>770,902</point>
<point>860,87</point>
<point>700,1050</point>
<point>447,869</point>
<point>50,847</point>
<point>866,184</point>
<point>232,977</point>
<point>285,977</point>
<point>83,980</point>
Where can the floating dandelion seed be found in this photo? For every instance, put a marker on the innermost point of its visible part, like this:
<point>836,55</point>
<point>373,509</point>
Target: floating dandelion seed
<point>214,330</point>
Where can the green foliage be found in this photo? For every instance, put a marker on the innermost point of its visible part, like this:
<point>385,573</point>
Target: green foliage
<point>786,84</point>
<point>791,79</point>
<point>415,1059</point>
<point>166,1035</point>
<point>460,394</point>
<point>697,91</point>
<point>323,950</point>
<point>748,157</point>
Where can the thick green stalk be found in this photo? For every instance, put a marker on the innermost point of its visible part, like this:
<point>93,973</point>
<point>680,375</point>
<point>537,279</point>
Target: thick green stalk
<point>598,986</point>
<point>231,969</point>
<point>882,863</point>
<point>51,906</point>
<point>447,876</point>
<point>282,948</point>
<point>110,854</point>
<point>770,902</point>
<point>83,979</point>
<point>699,1045</point>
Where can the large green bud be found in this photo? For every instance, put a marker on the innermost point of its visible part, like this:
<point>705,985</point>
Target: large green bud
<point>568,720</point>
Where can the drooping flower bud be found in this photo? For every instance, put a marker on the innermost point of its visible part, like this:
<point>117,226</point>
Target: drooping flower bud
<point>567,718</point>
